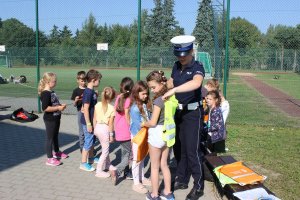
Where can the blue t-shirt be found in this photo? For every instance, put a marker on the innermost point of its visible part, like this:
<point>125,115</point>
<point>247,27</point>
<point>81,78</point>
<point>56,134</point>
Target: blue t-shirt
<point>182,76</point>
<point>89,97</point>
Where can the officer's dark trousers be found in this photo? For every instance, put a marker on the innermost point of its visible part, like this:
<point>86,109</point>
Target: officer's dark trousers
<point>188,154</point>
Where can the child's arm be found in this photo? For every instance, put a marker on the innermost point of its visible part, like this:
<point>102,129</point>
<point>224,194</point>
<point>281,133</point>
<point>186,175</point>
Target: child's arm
<point>86,114</point>
<point>127,115</point>
<point>73,97</point>
<point>75,102</point>
<point>216,121</point>
<point>95,117</point>
<point>55,108</point>
<point>111,128</point>
<point>154,118</point>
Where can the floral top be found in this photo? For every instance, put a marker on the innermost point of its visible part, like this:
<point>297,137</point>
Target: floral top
<point>216,127</point>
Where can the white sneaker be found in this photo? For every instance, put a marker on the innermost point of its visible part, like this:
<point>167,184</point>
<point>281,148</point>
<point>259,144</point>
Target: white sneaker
<point>139,188</point>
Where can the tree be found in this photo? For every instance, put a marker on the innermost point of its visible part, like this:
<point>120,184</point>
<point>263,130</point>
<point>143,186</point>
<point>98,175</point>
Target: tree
<point>169,24</point>
<point>288,38</point>
<point>134,31</point>
<point>154,24</point>
<point>203,30</point>
<point>16,34</point>
<point>161,26</point>
<point>88,35</point>
<point>54,37</point>
<point>244,34</point>
<point>66,36</point>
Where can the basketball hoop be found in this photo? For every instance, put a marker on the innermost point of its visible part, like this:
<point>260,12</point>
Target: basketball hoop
<point>102,46</point>
<point>2,48</point>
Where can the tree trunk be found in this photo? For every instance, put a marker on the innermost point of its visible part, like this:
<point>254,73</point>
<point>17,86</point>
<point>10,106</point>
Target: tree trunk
<point>275,67</point>
<point>295,61</point>
<point>282,54</point>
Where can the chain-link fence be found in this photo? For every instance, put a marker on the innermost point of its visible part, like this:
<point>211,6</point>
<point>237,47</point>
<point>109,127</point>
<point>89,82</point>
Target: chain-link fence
<point>263,85</point>
<point>68,39</point>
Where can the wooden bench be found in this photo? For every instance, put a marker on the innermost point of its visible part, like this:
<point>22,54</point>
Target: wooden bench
<point>213,161</point>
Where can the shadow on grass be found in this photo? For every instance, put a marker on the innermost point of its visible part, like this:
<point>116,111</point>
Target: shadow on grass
<point>20,143</point>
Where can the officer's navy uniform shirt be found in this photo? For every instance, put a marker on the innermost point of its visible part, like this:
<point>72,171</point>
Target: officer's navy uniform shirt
<point>182,76</point>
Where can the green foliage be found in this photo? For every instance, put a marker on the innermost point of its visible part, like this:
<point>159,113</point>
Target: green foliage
<point>244,34</point>
<point>203,30</point>
<point>161,25</point>
<point>271,151</point>
<point>277,49</point>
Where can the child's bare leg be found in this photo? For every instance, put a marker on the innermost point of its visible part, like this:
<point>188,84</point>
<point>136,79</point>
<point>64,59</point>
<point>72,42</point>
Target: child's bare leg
<point>155,156</point>
<point>165,170</point>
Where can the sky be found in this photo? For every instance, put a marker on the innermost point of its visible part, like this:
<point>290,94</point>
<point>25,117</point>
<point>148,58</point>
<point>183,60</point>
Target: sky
<point>73,13</point>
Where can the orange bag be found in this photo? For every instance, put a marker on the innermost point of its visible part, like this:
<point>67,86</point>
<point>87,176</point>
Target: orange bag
<point>241,174</point>
<point>141,139</point>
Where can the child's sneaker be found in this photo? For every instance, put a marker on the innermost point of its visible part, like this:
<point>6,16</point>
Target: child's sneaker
<point>139,188</point>
<point>60,154</point>
<point>53,162</point>
<point>149,197</point>
<point>169,196</point>
<point>115,176</point>
<point>93,160</point>
<point>128,175</point>
<point>146,182</point>
<point>102,174</point>
<point>86,167</point>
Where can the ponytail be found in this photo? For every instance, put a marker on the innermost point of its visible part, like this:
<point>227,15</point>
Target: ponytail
<point>47,77</point>
<point>125,89</point>
<point>107,95</point>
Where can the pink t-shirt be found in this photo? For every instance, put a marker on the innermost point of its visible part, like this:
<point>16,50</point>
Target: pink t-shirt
<point>121,126</point>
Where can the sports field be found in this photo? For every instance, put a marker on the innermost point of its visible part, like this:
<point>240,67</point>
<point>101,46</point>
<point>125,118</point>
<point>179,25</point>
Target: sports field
<point>258,132</point>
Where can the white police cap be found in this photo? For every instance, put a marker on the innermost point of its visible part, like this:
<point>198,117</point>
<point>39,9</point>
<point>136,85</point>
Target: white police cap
<point>182,44</point>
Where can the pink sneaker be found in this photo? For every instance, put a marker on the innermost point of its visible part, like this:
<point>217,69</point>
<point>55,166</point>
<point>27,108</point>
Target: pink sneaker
<point>60,154</point>
<point>53,162</point>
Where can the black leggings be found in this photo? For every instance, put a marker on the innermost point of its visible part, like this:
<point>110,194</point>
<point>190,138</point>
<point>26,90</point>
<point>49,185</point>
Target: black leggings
<point>52,129</point>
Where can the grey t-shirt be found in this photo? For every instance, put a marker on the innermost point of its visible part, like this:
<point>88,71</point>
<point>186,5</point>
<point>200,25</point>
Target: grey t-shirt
<point>160,103</point>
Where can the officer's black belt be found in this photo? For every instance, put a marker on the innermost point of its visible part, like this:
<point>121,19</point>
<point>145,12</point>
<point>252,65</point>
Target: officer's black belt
<point>190,106</point>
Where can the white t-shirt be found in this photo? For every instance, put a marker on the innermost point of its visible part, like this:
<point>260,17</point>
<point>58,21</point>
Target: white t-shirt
<point>225,110</point>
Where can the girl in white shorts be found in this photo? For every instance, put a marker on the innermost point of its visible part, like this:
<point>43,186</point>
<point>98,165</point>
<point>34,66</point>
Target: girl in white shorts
<point>159,152</point>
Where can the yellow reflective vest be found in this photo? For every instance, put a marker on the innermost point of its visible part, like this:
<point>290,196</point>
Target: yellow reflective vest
<point>169,124</point>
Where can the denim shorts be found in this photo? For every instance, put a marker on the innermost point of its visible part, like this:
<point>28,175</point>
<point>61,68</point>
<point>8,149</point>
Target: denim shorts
<point>89,138</point>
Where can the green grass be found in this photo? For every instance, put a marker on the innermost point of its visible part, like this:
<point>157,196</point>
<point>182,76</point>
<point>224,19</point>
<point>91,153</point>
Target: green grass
<point>66,80</point>
<point>274,153</point>
<point>247,106</point>
<point>287,82</point>
<point>270,151</point>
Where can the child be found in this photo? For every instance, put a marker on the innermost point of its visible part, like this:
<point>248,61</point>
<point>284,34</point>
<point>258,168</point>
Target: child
<point>138,114</point>
<point>89,101</point>
<point>213,84</point>
<point>77,102</point>
<point>158,150</point>
<point>103,129</point>
<point>121,125</point>
<point>216,127</point>
<point>52,114</point>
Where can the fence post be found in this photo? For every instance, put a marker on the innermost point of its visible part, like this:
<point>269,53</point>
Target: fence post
<point>226,49</point>
<point>139,42</point>
<point>37,57</point>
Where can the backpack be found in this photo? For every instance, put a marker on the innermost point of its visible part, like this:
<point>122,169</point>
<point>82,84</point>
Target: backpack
<point>22,115</point>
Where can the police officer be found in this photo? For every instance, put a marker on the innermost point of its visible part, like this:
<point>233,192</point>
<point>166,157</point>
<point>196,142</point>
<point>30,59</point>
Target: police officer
<point>186,82</point>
